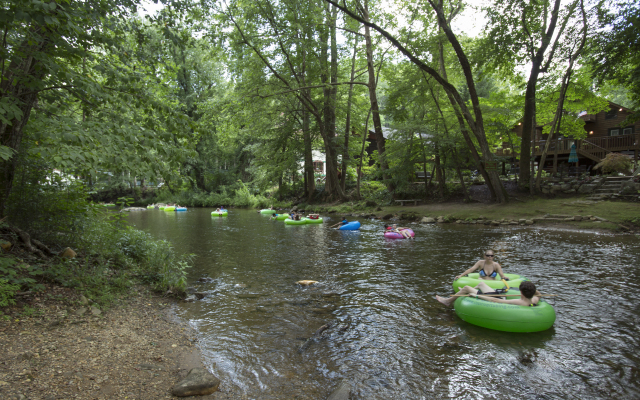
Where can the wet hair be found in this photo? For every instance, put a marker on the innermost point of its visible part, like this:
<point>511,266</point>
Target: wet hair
<point>387,226</point>
<point>528,289</point>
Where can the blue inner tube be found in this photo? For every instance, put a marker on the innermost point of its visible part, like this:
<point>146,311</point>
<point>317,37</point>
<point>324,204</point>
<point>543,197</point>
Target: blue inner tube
<point>181,208</point>
<point>351,226</point>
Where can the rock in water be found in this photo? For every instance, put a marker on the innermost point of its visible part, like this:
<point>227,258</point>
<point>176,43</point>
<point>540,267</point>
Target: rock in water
<point>199,382</point>
<point>342,391</point>
<point>306,282</point>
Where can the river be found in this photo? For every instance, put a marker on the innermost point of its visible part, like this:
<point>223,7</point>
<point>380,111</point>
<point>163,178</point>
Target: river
<point>390,338</point>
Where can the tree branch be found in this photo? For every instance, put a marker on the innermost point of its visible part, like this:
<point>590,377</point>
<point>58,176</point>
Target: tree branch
<point>313,87</point>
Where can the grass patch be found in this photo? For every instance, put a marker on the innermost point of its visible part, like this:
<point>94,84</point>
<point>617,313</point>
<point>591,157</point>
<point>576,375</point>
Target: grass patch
<point>614,211</point>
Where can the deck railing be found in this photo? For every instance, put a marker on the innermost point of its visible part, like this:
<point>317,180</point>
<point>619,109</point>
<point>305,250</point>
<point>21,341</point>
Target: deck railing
<point>590,144</point>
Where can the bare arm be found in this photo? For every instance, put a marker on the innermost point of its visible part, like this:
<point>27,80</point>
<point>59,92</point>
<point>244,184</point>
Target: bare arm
<point>499,270</point>
<point>470,270</point>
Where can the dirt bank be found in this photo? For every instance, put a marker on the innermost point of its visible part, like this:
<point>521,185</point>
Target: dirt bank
<point>136,350</point>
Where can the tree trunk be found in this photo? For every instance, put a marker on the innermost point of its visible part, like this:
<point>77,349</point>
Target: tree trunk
<point>16,85</point>
<point>528,123</point>
<point>364,141</point>
<point>456,161</point>
<point>309,174</point>
<point>345,152</point>
<point>528,126</point>
<point>373,98</point>
<point>463,126</point>
<point>439,174</point>
<point>566,80</point>
<point>328,123</point>
<point>473,119</point>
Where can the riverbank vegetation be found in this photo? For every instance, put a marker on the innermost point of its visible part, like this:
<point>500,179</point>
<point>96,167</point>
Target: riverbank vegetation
<point>254,104</point>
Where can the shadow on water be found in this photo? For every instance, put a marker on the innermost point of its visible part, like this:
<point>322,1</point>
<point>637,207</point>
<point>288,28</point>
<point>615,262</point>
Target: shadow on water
<point>373,320</point>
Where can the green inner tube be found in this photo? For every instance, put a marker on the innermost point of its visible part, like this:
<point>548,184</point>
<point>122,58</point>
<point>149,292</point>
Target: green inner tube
<point>294,222</point>
<point>170,208</point>
<point>282,217</point>
<point>267,211</point>
<point>151,207</point>
<point>313,221</point>
<point>473,280</point>
<point>506,317</point>
<point>161,207</point>
<point>219,213</point>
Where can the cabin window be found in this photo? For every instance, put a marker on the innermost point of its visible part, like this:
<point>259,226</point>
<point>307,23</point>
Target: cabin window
<point>614,132</point>
<point>627,131</point>
<point>611,114</point>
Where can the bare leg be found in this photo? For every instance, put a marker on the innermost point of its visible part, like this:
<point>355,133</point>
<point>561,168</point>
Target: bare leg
<point>448,301</point>
<point>484,288</point>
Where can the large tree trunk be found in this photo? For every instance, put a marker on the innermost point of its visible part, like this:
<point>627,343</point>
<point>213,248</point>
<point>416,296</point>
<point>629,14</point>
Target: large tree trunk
<point>463,126</point>
<point>309,175</point>
<point>373,98</point>
<point>529,117</point>
<point>328,127</point>
<point>528,126</point>
<point>16,86</point>
<point>364,141</point>
<point>345,151</point>
<point>456,162</point>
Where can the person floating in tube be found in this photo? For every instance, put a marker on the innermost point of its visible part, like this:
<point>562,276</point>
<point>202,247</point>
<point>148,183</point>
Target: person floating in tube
<point>489,269</point>
<point>529,296</point>
<point>341,223</point>
<point>401,230</point>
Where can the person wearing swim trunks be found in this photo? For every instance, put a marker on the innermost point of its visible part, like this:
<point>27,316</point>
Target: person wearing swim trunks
<point>529,296</point>
<point>489,269</point>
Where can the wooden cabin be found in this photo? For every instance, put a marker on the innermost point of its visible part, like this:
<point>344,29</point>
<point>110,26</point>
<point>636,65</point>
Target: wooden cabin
<point>605,134</point>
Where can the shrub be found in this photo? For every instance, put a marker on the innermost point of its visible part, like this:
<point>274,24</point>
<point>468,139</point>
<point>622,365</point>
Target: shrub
<point>7,292</point>
<point>615,163</point>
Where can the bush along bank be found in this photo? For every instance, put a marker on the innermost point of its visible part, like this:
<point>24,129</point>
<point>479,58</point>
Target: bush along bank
<point>108,258</point>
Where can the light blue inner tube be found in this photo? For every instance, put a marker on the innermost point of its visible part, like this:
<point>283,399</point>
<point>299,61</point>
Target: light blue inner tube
<point>181,208</point>
<point>351,226</point>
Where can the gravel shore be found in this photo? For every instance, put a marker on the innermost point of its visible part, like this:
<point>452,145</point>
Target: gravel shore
<point>70,350</point>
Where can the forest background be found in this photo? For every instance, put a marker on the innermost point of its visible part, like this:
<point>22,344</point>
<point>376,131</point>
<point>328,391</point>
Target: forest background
<point>210,103</point>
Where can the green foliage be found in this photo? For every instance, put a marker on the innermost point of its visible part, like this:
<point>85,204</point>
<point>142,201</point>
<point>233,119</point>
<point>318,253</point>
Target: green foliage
<point>236,195</point>
<point>615,163</point>
<point>7,292</point>
<point>615,51</point>
<point>48,205</point>
<point>375,191</point>
<point>20,274</point>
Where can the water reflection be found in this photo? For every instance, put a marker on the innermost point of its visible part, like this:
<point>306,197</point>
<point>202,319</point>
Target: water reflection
<point>389,337</point>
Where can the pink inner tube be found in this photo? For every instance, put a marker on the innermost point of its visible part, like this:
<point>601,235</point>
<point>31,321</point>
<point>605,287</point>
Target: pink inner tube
<point>396,235</point>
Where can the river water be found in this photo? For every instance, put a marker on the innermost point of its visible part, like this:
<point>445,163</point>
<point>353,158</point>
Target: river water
<point>389,337</point>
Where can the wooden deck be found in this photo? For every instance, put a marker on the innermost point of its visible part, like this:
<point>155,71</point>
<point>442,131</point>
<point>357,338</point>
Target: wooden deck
<point>595,148</point>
